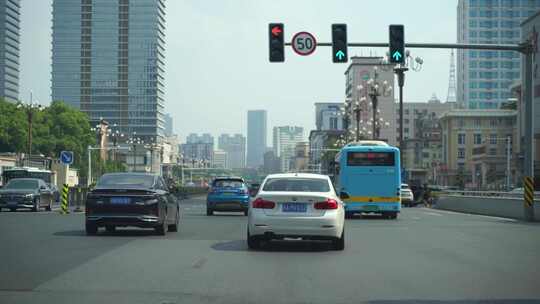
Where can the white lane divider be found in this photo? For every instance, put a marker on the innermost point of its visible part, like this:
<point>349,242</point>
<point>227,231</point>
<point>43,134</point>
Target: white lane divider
<point>432,213</point>
<point>470,214</point>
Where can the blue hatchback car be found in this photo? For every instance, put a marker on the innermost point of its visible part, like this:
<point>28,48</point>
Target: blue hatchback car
<point>228,194</point>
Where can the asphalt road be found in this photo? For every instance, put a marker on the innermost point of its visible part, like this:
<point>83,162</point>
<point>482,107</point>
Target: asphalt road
<point>425,256</point>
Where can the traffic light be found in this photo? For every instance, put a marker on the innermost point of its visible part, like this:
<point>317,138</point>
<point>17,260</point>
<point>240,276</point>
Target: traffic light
<point>277,46</point>
<point>397,44</point>
<point>339,43</point>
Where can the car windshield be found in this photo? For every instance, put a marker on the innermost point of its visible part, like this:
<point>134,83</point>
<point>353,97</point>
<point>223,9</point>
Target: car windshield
<point>296,185</point>
<point>126,180</point>
<point>228,183</point>
<point>21,184</point>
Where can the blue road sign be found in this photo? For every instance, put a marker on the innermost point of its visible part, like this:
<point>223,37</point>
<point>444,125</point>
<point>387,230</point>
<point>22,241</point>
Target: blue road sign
<point>66,157</point>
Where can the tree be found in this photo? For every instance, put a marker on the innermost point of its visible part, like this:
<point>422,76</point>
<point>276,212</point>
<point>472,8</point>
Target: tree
<point>13,128</point>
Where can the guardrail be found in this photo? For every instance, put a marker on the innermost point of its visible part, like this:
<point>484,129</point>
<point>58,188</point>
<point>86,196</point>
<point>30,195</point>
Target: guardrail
<point>493,194</point>
<point>492,203</point>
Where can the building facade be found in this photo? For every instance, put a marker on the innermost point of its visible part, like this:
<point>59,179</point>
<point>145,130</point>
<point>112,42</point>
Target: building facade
<point>9,49</point>
<point>358,78</point>
<point>328,116</point>
<point>108,61</point>
<point>256,137</point>
<point>168,125</point>
<point>272,163</point>
<point>198,151</point>
<point>415,111</point>
<point>530,29</point>
<point>474,147</point>
<point>220,159</point>
<point>235,146</point>
<point>484,77</point>
<point>285,140</point>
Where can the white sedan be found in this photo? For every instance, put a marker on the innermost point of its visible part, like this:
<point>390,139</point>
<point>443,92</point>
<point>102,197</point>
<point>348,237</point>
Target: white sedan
<point>296,205</point>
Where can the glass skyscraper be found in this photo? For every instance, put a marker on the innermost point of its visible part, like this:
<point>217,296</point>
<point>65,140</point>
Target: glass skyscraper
<point>9,49</point>
<point>108,61</point>
<point>485,77</point>
<point>256,138</point>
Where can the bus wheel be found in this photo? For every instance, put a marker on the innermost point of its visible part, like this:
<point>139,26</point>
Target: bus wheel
<point>349,215</point>
<point>392,215</point>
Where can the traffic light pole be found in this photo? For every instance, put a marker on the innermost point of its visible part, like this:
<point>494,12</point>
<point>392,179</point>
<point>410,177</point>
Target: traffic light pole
<point>400,71</point>
<point>526,49</point>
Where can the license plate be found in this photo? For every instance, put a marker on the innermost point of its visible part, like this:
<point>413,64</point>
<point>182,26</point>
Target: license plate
<point>228,193</point>
<point>120,200</point>
<point>294,207</point>
<point>371,208</point>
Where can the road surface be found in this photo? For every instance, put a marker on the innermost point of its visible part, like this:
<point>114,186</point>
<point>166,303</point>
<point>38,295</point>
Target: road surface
<point>426,255</point>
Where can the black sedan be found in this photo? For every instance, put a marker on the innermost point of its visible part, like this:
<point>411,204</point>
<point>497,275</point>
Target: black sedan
<point>30,193</point>
<point>131,199</point>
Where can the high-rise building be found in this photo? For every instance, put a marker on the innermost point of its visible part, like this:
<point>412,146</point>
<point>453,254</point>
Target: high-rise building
<point>256,137</point>
<point>168,124</point>
<point>220,159</point>
<point>328,116</point>
<point>9,49</point>
<point>235,146</point>
<point>198,150</point>
<point>285,140</point>
<point>108,61</point>
<point>362,74</point>
<point>484,78</point>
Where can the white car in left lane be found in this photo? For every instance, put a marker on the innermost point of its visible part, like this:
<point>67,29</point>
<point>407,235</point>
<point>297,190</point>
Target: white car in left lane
<point>296,205</point>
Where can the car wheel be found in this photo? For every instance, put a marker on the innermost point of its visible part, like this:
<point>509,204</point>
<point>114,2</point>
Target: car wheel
<point>245,212</point>
<point>49,206</point>
<point>174,227</point>
<point>253,242</point>
<point>339,243</point>
<point>36,205</point>
<point>91,228</point>
<point>12,209</point>
<point>209,211</point>
<point>110,229</point>
<point>161,229</point>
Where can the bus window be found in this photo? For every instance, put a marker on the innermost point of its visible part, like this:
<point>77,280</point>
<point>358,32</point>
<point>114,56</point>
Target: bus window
<point>370,159</point>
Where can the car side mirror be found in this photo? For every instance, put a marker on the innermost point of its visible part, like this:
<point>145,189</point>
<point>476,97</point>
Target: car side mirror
<point>42,188</point>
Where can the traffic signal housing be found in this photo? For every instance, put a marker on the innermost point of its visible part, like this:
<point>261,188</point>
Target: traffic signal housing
<point>339,43</point>
<point>397,43</point>
<point>276,40</point>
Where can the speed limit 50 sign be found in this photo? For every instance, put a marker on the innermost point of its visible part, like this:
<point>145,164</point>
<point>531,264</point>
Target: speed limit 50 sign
<point>304,43</point>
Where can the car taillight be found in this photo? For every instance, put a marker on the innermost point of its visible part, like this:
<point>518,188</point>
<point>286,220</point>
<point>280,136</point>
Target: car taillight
<point>326,205</point>
<point>263,204</point>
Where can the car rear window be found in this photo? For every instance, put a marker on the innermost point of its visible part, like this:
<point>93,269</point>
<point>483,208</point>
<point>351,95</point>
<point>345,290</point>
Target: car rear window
<point>228,183</point>
<point>126,180</point>
<point>21,184</point>
<point>370,159</point>
<point>296,185</point>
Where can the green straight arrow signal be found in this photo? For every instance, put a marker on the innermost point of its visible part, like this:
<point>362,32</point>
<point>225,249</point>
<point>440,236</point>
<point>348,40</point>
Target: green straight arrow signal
<point>397,55</point>
<point>340,54</point>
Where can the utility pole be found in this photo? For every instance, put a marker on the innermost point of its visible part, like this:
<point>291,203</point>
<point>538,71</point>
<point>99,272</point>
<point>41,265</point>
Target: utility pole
<point>508,143</point>
<point>400,71</point>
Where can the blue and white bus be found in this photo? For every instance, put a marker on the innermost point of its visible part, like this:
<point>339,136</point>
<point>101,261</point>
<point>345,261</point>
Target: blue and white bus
<point>368,178</point>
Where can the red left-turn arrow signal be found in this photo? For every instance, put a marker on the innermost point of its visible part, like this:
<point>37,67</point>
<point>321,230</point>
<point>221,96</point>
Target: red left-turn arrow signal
<point>276,30</point>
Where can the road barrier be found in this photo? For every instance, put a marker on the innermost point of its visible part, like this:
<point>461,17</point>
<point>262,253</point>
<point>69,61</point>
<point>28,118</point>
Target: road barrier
<point>501,204</point>
<point>65,199</point>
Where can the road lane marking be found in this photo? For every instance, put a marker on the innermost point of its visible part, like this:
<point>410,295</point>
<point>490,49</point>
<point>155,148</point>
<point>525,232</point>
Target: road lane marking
<point>432,213</point>
<point>478,215</point>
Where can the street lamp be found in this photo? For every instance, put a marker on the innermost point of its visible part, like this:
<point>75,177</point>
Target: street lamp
<point>133,140</point>
<point>375,89</point>
<point>29,109</point>
<point>152,146</point>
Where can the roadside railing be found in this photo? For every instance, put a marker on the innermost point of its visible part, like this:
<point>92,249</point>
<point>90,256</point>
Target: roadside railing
<point>493,194</point>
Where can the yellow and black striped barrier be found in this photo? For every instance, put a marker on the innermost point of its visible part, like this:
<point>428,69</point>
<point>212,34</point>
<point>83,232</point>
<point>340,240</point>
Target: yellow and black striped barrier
<point>528,189</point>
<point>65,195</point>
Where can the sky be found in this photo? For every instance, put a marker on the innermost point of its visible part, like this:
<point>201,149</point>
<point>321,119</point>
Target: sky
<point>217,64</point>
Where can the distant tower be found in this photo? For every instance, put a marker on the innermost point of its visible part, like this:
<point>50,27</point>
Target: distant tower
<point>451,97</point>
